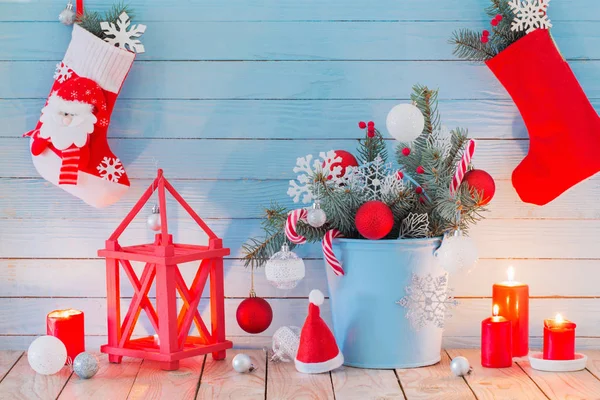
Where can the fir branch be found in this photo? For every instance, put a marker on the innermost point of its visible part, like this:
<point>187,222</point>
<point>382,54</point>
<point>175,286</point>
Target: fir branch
<point>371,147</point>
<point>468,46</point>
<point>90,20</point>
<point>426,101</point>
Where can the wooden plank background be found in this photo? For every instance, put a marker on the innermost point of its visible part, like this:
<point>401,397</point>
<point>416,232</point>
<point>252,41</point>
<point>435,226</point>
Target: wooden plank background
<point>226,98</point>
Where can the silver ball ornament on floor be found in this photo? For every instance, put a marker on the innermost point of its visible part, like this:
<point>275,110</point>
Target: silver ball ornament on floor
<point>85,365</point>
<point>460,366</point>
<point>67,16</point>
<point>242,363</point>
<point>153,220</point>
<point>316,216</point>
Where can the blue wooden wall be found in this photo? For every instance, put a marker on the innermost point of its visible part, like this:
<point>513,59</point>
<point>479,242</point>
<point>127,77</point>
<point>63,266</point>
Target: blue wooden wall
<point>227,96</point>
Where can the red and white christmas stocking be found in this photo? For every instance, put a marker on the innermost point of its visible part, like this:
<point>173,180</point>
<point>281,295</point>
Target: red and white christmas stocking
<point>69,145</point>
<point>564,128</point>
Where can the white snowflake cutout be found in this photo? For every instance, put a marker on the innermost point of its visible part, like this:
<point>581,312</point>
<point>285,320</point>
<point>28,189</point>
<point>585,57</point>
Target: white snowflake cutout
<point>308,168</point>
<point>428,300</point>
<point>529,15</point>
<point>414,226</point>
<point>62,72</point>
<point>119,36</point>
<point>370,178</point>
<point>110,169</point>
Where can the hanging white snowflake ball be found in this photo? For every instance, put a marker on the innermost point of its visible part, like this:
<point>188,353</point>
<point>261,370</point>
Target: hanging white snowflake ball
<point>285,269</point>
<point>316,216</point>
<point>405,122</point>
<point>457,252</point>
<point>285,343</point>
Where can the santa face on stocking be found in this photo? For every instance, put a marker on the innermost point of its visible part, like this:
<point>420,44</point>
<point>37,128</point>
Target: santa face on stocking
<point>69,145</point>
<point>66,123</point>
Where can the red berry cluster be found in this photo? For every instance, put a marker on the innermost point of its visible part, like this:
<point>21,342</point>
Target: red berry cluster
<point>371,128</point>
<point>485,35</point>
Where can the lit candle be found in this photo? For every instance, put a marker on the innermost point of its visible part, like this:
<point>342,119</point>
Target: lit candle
<point>513,301</point>
<point>67,325</point>
<point>496,341</point>
<point>559,339</point>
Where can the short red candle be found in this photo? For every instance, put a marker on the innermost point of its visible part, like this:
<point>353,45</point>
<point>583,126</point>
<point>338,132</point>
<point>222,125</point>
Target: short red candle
<point>559,339</point>
<point>512,299</point>
<point>67,325</point>
<point>496,341</point>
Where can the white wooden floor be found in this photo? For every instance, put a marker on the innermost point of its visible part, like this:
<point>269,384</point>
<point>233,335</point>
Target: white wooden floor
<point>201,378</point>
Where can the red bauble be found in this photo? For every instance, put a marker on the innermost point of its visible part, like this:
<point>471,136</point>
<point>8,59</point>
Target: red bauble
<point>348,160</point>
<point>374,220</point>
<point>482,182</point>
<point>254,315</point>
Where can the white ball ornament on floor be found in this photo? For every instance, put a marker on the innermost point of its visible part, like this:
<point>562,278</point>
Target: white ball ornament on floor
<point>405,122</point>
<point>47,355</point>
<point>85,365</point>
<point>460,366</point>
<point>242,363</point>
<point>316,216</point>
<point>153,220</point>
<point>457,252</point>
<point>285,269</point>
<point>285,343</point>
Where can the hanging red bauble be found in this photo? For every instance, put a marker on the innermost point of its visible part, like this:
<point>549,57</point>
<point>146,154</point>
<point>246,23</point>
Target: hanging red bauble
<point>254,314</point>
<point>482,183</point>
<point>348,160</point>
<point>374,220</point>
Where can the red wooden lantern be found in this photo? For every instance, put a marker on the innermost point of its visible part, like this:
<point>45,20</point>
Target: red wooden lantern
<point>161,257</point>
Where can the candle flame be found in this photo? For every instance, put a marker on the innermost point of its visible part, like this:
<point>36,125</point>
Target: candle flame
<point>495,310</point>
<point>63,313</point>
<point>511,273</point>
<point>559,319</point>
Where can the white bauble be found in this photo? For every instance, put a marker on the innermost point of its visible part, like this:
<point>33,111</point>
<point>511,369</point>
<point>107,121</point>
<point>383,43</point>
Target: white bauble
<point>405,122</point>
<point>285,343</point>
<point>67,16</point>
<point>47,355</point>
<point>285,269</point>
<point>153,220</point>
<point>460,366</point>
<point>316,216</point>
<point>242,363</point>
<point>457,252</point>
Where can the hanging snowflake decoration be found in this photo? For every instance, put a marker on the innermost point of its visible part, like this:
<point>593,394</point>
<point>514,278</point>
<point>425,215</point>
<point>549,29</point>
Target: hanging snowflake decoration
<point>62,72</point>
<point>529,15</point>
<point>119,36</point>
<point>414,226</point>
<point>110,169</point>
<point>428,300</point>
<point>309,169</point>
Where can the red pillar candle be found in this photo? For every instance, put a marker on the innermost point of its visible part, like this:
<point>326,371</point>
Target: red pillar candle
<point>496,341</point>
<point>512,299</point>
<point>559,339</point>
<point>67,325</point>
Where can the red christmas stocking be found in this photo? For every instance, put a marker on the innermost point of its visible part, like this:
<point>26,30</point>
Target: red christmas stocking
<point>69,145</point>
<point>564,129</point>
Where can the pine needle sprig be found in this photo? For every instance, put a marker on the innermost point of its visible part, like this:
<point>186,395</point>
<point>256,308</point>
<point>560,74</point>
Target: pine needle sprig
<point>468,46</point>
<point>371,147</point>
<point>90,20</point>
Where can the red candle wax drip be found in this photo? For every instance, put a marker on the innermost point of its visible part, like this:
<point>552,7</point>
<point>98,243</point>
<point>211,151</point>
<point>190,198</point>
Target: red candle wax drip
<point>67,325</point>
<point>496,341</point>
<point>559,339</point>
<point>512,299</point>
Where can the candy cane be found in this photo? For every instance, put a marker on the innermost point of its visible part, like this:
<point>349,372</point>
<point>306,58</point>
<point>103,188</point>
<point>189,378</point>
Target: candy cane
<point>330,257</point>
<point>290,225</point>
<point>461,168</point>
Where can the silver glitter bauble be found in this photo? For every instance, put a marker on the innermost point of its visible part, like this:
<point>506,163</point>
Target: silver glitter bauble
<point>460,366</point>
<point>242,363</point>
<point>67,16</point>
<point>85,365</point>
<point>316,216</point>
<point>153,220</point>
<point>285,343</point>
<point>285,269</point>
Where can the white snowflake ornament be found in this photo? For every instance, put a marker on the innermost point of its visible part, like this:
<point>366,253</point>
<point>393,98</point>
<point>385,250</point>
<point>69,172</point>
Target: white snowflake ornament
<point>529,15</point>
<point>428,300</point>
<point>374,179</point>
<point>62,73</point>
<point>308,168</point>
<point>119,36</point>
<point>110,169</point>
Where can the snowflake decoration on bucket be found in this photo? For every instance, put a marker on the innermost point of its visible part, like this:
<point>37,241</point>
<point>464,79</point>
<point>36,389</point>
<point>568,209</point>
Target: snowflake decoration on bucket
<point>529,15</point>
<point>428,300</point>
<point>62,72</point>
<point>309,169</point>
<point>110,169</point>
<point>119,36</point>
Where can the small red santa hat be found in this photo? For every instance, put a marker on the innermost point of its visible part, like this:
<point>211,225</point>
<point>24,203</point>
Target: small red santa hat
<point>83,91</point>
<point>318,352</point>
